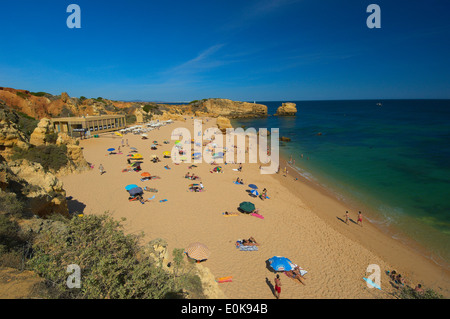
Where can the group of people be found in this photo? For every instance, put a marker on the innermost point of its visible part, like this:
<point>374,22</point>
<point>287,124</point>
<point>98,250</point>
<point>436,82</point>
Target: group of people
<point>347,218</point>
<point>240,181</point>
<point>191,177</point>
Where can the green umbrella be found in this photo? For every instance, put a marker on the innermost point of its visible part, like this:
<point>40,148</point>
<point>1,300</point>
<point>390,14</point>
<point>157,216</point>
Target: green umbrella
<point>247,207</point>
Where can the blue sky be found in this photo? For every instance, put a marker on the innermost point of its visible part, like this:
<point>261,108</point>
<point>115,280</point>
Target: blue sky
<point>243,50</point>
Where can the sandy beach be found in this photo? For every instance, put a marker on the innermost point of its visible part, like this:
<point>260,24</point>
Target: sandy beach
<point>301,222</point>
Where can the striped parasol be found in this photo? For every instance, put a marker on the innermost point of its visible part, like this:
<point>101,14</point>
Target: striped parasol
<point>198,251</point>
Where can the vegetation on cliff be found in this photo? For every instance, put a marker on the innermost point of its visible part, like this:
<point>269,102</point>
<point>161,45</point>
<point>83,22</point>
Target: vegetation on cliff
<point>113,265</point>
<point>51,157</point>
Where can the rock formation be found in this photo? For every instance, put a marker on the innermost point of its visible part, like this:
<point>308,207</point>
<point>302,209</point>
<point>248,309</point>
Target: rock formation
<point>41,192</point>
<point>41,133</point>
<point>223,123</point>
<point>10,135</point>
<point>287,109</point>
<point>233,109</point>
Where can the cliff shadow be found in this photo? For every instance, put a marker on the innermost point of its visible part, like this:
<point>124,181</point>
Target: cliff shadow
<point>75,206</point>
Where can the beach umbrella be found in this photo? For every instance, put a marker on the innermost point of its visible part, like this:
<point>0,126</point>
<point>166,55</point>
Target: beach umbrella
<point>198,251</point>
<point>118,134</point>
<point>145,135</point>
<point>155,142</point>
<point>111,149</point>
<point>247,207</point>
<point>254,192</point>
<point>154,145</point>
<point>133,148</point>
<point>177,142</point>
<point>131,186</point>
<point>253,186</point>
<point>137,155</point>
<point>145,174</point>
<point>281,263</point>
<point>136,191</point>
<point>166,153</point>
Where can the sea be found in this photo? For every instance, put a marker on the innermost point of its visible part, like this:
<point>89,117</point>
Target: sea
<point>390,157</point>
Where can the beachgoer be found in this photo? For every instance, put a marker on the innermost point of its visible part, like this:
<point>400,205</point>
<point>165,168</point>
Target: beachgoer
<point>360,219</point>
<point>418,288</point>
<point>127,142</point>
<point>277,286</point>
<point>346,217</point>
<point>101,169</point>
<point>296,274</point>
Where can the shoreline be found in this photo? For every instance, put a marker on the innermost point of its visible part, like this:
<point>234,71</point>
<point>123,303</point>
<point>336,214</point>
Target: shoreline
<point>297,223</point>
<point>402,252</point>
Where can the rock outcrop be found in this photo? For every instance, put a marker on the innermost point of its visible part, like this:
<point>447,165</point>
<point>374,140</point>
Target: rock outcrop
<point>40,191</point>
<point>41,133</point>
<point>223,123</point>
<point>233,109</point>
<point>287,109</point>
<point>10,135</point>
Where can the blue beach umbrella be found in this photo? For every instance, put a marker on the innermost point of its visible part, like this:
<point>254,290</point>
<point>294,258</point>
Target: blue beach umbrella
<point>281,263</point>
<point>111,149</point>
<point>253,186</point>
<point>131,186</point>
<point>254,192</point>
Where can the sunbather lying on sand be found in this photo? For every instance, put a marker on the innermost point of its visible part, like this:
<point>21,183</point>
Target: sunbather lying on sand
<point>295,274</point>
<point>249,242</point>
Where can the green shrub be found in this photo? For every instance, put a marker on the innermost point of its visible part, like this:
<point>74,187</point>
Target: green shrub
<point>51,157</point>
<point>112,264</point>
<point>22,95</point>
<point>409,293</point>
<point>40,94</point>
<point>27,124</point>
<point>9,204</point>
<point>148,107</point>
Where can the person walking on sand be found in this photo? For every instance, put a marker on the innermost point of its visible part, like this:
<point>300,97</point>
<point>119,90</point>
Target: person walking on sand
<point>346,217</point>
<point>359,219</point>
<point>101,169</point>
<point>277,286</point>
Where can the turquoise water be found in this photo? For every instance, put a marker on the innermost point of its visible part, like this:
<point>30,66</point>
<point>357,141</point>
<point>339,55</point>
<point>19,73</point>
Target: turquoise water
<point>394,158</point>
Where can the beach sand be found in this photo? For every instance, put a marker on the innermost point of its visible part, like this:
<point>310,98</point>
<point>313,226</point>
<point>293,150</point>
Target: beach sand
<point>301,222</point>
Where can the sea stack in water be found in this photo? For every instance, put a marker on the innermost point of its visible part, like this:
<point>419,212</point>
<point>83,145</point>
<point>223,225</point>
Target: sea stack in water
<point>287,109</point>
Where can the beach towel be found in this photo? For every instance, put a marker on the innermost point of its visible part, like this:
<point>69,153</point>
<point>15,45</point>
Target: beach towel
<point>230,214</point>
<point>163,200</point>
<point>237,183</point>
<point>242,247</point>
<point>257,215</point>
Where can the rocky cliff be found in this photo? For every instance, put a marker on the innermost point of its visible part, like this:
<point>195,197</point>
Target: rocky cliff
<point>43,105</point>
<point>10,135</point>
<point>40,105</point>
<point>38,189</point>
<point>287,109</point>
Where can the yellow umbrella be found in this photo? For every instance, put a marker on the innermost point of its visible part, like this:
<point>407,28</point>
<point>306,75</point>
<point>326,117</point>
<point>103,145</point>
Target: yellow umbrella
<point>137,156</point>
<point>167,153</point>
<point>198,251</point>
<point>118,134</point>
